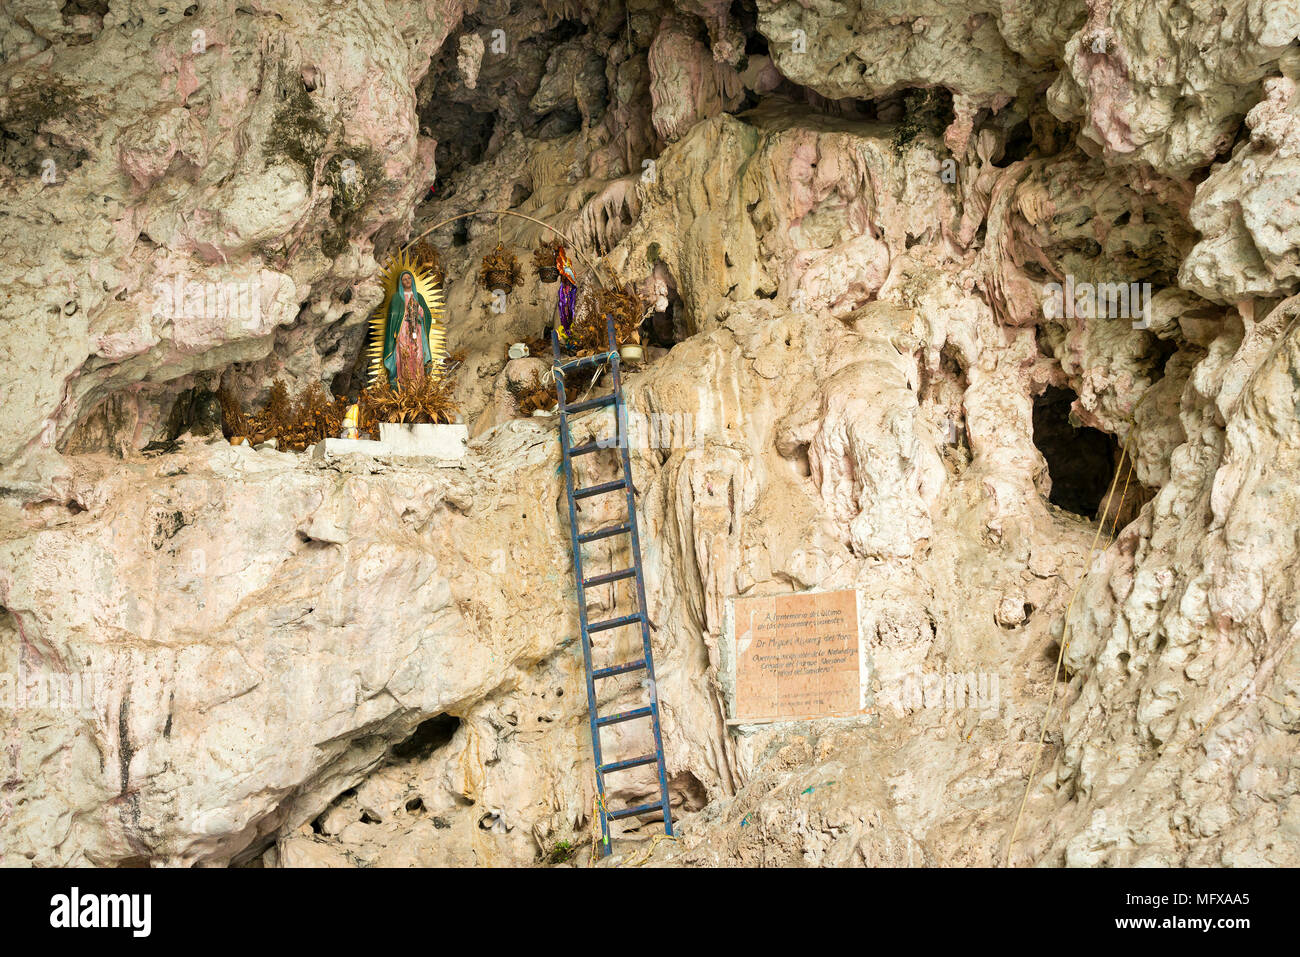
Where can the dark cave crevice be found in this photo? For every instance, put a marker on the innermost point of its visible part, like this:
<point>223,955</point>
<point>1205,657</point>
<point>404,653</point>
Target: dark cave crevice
<point>1080,460</point>
<point>428,737</point>
<point>463,136</point>
<point>1019,144</point>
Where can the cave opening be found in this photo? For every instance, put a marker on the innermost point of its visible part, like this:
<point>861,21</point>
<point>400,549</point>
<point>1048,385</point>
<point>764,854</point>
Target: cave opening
<point>463,134</point>
<point>561,121</point>
<point>428,737</point>
<point>1080,460</point>
<point>666,324</point>
<point>1019,144</point>
<point>196,410</point>
<point>565,30</point>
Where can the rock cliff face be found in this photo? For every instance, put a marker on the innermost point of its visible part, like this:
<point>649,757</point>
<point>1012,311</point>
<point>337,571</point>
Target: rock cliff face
<point>919,275</point>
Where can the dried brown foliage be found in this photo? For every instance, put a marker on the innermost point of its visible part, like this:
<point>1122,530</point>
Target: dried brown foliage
<point>233,420</point>
<point>540,396</point>
<point>500,270</point>
<point>539,347</point>
<point>594,307</point>
<point>544,255</point>
<point>532,395</point>
<point>426,256</point>
<point>315,415</point>
<point>430,401</point>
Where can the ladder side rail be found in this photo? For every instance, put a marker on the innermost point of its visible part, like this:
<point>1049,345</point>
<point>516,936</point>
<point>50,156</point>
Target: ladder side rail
<point>582,598</point>
<point>620,409</point>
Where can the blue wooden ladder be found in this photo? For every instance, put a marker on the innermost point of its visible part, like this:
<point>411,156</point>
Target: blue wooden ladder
<point>577,540</point>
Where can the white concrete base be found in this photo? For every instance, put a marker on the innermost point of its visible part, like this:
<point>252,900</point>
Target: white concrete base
<point>435,441</point>
<point>443,442</point>
<point>329,447</point>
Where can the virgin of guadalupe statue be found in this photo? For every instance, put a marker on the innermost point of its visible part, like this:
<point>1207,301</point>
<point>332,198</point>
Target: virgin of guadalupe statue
<point>407,334</point>
<point>407,341</point>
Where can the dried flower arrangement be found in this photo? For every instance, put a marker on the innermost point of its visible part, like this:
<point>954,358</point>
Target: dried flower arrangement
<point>588,330</point>
<point>297,424</point>
<point>430,401</point>
<point>544,261</point>
<point>427,258</point>
<point>293,424</point>
<point>500,270</point>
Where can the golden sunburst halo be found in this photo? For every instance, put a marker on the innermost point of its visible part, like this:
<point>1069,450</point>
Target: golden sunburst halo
<point>427,286</point>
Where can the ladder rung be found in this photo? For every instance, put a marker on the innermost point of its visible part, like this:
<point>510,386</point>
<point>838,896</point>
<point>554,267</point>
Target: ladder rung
<point>608,577</point>
<point>589,404</point>
<point>630,763</point>
<point>603,533</point>
<point>632,811</point>
<point>619,669</point>
<point>596,446</point>
<point>613,623</point>
<point>599,489</point>
<point>623,716</point>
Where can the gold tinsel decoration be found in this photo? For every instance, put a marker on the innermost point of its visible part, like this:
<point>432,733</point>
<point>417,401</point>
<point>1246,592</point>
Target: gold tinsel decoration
<point>500,270</point>
<point>427,287</point>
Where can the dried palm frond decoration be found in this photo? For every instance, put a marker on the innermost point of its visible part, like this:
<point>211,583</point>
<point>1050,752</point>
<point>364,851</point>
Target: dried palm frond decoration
<point>428,259</point>
<point>594,308</point>
<point>544,261</point>
<point>500,270</point>
<point>314,415</point>
<point>428,401</point>
<point>234,423</point>
<point>294,424</point>
<point>427,286</point>
<point>625,308</point>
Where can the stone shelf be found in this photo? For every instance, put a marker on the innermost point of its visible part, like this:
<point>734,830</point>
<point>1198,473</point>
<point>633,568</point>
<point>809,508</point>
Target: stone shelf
<point>442,442</point>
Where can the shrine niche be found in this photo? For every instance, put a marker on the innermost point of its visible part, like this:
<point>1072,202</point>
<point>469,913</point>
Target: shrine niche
<point>407,340</point>
<point>407,374</point>
<point>583,306</point>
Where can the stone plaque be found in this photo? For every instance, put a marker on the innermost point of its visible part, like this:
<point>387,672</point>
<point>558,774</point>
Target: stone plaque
<point>797,656</point>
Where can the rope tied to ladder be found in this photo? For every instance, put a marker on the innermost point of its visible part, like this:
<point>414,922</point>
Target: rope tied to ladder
<point>609,357</point>
<point>557,371</point>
